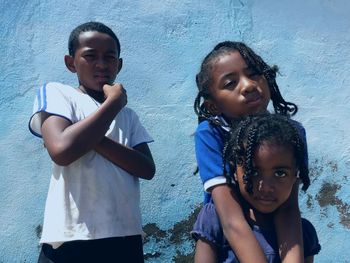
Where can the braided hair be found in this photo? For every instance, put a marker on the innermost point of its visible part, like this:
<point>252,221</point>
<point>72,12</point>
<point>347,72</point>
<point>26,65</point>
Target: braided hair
<point>253,61</point>
<point>255,130</point>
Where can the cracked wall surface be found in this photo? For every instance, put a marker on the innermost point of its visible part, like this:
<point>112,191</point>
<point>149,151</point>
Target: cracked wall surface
<point>163,43</point>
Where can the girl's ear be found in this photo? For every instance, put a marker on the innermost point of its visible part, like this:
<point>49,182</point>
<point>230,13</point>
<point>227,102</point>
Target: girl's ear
<point>69,61</point>
<point>211,107</point>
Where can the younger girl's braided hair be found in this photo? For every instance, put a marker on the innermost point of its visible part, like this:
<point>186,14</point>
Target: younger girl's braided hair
<point>253,61</point>
<point>254,130</point>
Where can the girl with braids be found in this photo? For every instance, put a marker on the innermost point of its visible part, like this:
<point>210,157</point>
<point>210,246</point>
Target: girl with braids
<point>266,158</point>
<point>234,82</point>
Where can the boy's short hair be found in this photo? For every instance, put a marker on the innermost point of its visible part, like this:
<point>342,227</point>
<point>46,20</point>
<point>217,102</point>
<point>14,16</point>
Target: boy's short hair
<point>73,41</point>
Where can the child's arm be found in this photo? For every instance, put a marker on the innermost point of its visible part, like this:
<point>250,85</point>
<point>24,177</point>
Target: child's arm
<point>137,161</point>
<point>209,145</point>
<point>205,252</point>
<point>236,228</point>
<point>288,229</point>
<point>66,142</point>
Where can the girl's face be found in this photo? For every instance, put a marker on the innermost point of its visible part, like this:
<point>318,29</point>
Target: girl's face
<point>236,90</point>
<point>276,174</point>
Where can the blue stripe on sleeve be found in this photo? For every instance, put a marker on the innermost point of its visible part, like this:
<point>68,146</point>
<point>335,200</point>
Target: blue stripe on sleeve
<point>41,97</point>
<point>38,96</point>
<point>44,97</point>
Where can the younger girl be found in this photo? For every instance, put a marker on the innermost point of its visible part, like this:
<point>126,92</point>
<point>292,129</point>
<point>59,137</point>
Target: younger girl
<point>234,82</point>
<point>266,156</point>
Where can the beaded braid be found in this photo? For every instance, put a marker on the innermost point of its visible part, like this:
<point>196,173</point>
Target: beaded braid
<point>229,154</point>
<point>254,130</point>
<point>303,169</point>
<point>248,161</point>
<point>203,79</point>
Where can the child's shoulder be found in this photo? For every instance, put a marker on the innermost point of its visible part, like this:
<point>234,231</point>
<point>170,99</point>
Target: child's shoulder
<point>206,129</point>
<point>299,127</point>
<point>296,123</point>
<point>58,85</point>
<point>57,88</point>
<point>203,125</point>
<point>207,126</point>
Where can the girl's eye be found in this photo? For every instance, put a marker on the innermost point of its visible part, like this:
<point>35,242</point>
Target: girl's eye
<point>230,84</point>
<point>254,75</point>
<point>280,174</point>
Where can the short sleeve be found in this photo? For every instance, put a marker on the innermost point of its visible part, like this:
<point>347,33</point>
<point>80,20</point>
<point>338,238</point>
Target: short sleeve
<point>207,226</point>
<point>311,243</point>
<point>54,99</point>
<point>138,134</point>
<point>208,148</point>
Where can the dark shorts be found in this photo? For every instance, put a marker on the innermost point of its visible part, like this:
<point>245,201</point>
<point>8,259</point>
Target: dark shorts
<point>115,249</point>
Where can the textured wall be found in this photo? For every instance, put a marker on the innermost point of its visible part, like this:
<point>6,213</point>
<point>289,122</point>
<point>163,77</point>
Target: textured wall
<point>163,43</point>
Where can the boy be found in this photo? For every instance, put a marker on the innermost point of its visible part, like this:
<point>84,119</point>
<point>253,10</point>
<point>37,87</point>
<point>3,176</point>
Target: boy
<point>99,150</point>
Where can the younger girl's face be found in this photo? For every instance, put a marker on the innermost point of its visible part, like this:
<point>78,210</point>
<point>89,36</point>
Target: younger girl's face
<point>236,90</point>
<point>276,174</point>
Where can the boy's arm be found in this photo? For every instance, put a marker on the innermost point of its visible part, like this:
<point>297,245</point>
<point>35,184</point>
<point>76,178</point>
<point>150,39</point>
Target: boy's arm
<point>235,226</point>
<point>66,142</point>
<point>289,230</point>
<point>137,161</point>
<point>205,252</point>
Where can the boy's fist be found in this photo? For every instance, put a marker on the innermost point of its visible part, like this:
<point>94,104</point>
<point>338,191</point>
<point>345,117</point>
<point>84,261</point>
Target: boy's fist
<point>117,93</point>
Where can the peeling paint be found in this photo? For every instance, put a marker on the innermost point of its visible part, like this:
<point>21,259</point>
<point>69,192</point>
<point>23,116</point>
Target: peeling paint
<point>38,231</point>
<point>181,230</point>
<point>327,193</point>
<point>152,230</point>
<point>330,225</point>
<point>315,169</point>
<point>181,258</point>
<point>344,210</point>
<point>333,165</point>
<point>148,256</point>
<point>177,236</point>
<point>327,196</point>
<point>309,201</point>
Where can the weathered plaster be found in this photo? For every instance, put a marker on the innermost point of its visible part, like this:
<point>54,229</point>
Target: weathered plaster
<point>163,43</point>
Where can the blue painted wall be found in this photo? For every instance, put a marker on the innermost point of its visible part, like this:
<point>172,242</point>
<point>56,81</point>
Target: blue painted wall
<point>163,43</point>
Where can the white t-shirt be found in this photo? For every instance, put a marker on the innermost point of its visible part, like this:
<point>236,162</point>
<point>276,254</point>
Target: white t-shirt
<point>91,198</point>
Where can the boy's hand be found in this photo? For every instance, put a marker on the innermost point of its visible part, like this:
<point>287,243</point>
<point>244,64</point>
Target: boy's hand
<point>116,93</point>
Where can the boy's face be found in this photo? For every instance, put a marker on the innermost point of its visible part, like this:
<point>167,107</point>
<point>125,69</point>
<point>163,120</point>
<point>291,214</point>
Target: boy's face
<point>96,60</point>
<point>276,174</point>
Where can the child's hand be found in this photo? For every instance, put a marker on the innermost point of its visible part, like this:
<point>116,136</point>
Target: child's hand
<point>116,93</point>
